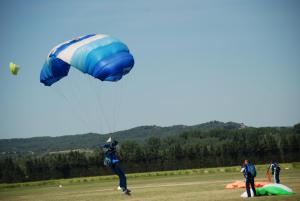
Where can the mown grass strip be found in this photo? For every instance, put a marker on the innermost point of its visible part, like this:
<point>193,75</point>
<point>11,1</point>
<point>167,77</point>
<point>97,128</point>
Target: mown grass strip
<point>56,182</point>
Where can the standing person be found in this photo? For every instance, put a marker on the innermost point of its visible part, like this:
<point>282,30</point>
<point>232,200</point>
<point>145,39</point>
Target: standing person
<point>275,168</point>
<point>111,161</point>
<point>249,172</point>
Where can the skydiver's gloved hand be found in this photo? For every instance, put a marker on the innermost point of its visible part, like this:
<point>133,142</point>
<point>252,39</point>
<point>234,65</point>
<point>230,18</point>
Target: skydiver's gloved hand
<point>242,168</point>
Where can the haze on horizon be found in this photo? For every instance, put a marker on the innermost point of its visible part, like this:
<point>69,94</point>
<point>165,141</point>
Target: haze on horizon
<point>196,61</point>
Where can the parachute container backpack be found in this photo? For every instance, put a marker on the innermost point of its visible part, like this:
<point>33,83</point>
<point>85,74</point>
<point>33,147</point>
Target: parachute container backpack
<point>252,170</point>
<point>101,56</point>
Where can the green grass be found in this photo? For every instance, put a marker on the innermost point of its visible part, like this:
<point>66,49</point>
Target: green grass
<point>181,185</point>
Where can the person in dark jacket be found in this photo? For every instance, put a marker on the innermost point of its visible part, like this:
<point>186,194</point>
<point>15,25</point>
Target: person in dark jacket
<point>275,168</point>
<point>249,172</point>
<point>111,161</point>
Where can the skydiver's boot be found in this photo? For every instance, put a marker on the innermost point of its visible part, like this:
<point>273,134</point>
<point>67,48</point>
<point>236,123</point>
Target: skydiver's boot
<point>127,192</point>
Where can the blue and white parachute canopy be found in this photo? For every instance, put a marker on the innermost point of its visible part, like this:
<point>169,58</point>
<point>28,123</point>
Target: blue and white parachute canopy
<point>101,56</point>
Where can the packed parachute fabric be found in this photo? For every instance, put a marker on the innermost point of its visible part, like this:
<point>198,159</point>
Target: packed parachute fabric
<point>242,184</point>
<point>101,56</point>
<point>271,189</point>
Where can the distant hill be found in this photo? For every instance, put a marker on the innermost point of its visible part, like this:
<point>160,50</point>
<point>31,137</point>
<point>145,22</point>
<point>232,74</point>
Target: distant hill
<point>42,145</point>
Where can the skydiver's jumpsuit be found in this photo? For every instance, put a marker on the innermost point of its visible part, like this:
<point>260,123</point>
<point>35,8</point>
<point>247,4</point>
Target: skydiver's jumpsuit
<point>249,181</point>
<point>113,164</point>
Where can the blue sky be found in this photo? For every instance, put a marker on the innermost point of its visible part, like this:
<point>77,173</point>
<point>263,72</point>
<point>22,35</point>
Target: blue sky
<point>196,61</point>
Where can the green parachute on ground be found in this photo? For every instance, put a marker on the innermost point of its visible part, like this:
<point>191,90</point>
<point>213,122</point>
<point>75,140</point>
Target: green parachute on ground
<point>274,189</point>
<point>271,189</point>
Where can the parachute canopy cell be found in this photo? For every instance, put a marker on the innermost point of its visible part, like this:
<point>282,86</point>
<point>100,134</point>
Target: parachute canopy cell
<point>101,56</point>
<point>14,68</point>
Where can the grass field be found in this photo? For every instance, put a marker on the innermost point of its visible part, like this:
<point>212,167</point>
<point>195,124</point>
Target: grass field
<point>189,185</point>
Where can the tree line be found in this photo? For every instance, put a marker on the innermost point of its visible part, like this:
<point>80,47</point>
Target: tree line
<point>191,149</point>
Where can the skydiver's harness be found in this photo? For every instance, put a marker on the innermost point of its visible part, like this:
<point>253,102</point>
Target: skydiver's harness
<point>110,157</point>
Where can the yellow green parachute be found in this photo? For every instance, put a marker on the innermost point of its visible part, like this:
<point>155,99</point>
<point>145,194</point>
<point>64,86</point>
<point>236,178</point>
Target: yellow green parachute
<point>14,68</point>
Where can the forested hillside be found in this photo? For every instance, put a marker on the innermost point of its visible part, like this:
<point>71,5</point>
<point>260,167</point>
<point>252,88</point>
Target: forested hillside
<point>42,145</point>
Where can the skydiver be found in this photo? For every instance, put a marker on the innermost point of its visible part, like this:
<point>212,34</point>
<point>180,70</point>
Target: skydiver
<point>249,172</point>
<point>275,168</point>
<point>111,161</point>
